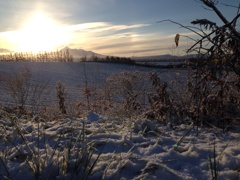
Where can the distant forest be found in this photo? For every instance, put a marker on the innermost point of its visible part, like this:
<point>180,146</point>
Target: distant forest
<point>59,56</point>
<point>65,56</point>
<point>112,59</point>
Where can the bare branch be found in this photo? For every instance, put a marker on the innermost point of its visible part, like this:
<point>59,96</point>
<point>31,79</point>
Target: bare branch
<point>206,23</point>
<point>235,21</point>
<point>186,27</point>
<point>228,5</point>
<point>189,37</point>
<point>220,15</point>
<point>211,5</point>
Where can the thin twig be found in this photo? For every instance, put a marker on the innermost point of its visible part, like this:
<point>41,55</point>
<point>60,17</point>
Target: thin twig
<point>186,27</point>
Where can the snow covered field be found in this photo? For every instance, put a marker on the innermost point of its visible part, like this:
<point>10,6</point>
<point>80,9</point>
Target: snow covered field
<point>140,149</point>
<point>98,147</point>
<point>73,75</point>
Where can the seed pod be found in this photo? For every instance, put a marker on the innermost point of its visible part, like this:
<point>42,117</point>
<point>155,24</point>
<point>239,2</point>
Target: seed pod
<point>177,39</point>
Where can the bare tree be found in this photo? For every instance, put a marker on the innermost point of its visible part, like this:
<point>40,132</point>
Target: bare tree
<point>216,72</point>
<point>214,41</point>
<point>221,42</point>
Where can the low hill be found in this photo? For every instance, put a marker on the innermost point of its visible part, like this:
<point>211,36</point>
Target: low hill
<point>166,57</point>
<point>79,54</point>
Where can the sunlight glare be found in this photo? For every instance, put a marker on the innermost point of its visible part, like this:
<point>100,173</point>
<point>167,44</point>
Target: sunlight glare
<point>41,33</point>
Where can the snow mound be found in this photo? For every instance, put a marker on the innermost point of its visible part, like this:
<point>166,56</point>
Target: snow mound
<point>93,117</point>
<point>69,148</point>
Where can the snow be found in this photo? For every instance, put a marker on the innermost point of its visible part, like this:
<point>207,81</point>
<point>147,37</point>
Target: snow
<point>110,148</point>
<point>72,75</point>
<point>92,117</point>
<point>148,150</point>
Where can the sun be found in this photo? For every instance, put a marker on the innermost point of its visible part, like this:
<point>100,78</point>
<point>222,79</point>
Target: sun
<point>41,33</point>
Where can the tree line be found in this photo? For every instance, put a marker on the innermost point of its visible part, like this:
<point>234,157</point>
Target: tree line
<point>111,59</point>
<point>53,56</point>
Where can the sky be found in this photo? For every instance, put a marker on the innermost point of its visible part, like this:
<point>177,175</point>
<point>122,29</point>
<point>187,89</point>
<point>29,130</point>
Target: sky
<point>109,27</point>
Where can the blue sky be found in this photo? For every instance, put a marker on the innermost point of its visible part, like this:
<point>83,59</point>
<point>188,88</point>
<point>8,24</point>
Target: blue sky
<point>110,27</point>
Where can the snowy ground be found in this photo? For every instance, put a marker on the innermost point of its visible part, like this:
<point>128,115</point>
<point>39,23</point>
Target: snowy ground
<point>99,147</point>
<point>124,149</point>
<point>74,75</point>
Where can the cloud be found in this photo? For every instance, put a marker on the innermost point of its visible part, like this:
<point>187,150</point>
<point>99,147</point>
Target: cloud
<point>87,26</point>
<point>126,44</point>
<point>95,27</point>
<point>130,38</point>
<point>103,36</point>
<point>108,38</point>
<point>111,39</point>
<point>121,27</point>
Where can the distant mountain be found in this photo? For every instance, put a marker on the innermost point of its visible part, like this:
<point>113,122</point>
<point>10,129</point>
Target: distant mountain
<point>2,50</point>
<point>164,57</point>
<point>78,54</point>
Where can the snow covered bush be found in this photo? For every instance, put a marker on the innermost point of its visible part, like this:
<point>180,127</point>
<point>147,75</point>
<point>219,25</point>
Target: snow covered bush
<point>61,97</point>
<point>123,94</point>
<point>23,92</point>
<point>214,101</point>
<point>160,102</point>
<point>129,91</point>
<point>34,148</point>
<point>216,69</point>
<point>18,86</point>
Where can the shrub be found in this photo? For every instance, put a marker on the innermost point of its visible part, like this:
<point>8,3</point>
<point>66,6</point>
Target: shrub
<point>24,92</point>
<point>65,153</point>
<point>61,97</point>
<point>127,92</point>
